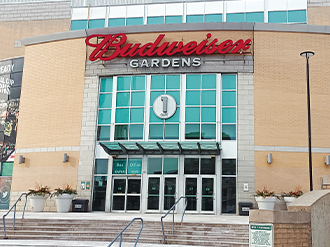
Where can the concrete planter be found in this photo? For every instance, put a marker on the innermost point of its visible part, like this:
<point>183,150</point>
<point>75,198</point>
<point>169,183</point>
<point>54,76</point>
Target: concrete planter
<point>266,203</point>
<point>38,202</point>
<point>288,200</point>
<point>63,202</point>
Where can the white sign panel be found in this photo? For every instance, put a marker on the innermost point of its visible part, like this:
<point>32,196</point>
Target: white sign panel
<point>261,235</point>
<point>164,106</point>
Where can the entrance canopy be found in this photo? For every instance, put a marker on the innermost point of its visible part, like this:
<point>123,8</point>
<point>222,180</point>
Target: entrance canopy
<point>135,148</point>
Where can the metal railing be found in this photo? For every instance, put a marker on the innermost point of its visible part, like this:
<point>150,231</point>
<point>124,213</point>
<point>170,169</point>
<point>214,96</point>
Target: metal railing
<point>173,208</point>
<point>121,233</point>
<point>14,206</point>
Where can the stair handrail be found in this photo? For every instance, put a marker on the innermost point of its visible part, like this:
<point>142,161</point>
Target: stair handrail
<point>14,206</point>
<point>173,208</point>
<point>121,233</point>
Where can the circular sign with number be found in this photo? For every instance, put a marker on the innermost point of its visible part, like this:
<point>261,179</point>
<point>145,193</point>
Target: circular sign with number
<point>164,106</point>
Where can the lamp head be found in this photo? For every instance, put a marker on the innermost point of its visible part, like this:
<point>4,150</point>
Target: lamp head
<point>307,54</point>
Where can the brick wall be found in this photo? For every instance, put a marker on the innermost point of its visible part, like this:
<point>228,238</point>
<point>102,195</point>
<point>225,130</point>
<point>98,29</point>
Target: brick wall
<point>292,235</point>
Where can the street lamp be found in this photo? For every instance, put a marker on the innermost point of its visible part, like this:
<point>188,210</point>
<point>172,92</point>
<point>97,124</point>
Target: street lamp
<point>309,54</point>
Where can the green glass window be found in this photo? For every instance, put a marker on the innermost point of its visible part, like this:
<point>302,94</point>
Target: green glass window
<point>229,195</point>
<point>277,17</point>
<point>138,82</point>
<point>193,81</point>
<point>173,82</point>
<point>194,18</point>
<point>136,131</point>
<point>170,166</point>
<point>209,97</point>
<point>229,98</point>
<point>229,115</point>
<point>103,133</point>
<point>137,99</point>
<point>192,131</point>
<point>191,166</point>
<point>137,115</point>
<point>134,21</point>
<point>134,166</point>
<point>171,131</point>
<point>229,132</point>
<point>154,95</point>
<point>7,168</point>
<point>104,117</point>
<point>101,166</point>
<point>119,166</point>
<point>78,25</point>
<point>154,118</point>
<point>192,114</point>
<point>208,166</point>
<point>116,22</point>
<point>105,100</point>
<point>193,98</point>
<point>157,82</point>
<point>106,85</point>
<point>213,18</point>
<point>156,131</point>
<point>229,82</point>
<point>208,131</point>
<point>175,117</point>
<point>229,167</point>
<point>122,115</point>
<point>175,95</point>
<point>208,114</point>
<point>154,166</point>
<point>97,23</point>
<point>123,99</point>
<point>209,81</point>
<point>123,83</point>
<point>235,17</point>
<point>155,20</point>
<point>255,17</point>
<point>173,19</point>
<point>121,132</point>
<point>299,16</point>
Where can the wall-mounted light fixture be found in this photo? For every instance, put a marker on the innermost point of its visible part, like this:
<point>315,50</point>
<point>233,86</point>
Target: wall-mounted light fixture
<point>65,157</point>
<point>269,158</point>
<point>21,159</point>
<point>327,160</point>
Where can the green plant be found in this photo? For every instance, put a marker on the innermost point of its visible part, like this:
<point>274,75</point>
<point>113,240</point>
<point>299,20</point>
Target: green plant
<point>265,193</point>
<point>67,190</point>
<point>39,191</point>
<point>295,193</point>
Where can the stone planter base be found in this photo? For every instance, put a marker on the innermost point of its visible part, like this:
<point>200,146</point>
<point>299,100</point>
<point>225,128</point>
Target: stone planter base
<point>63,202</point>
<point>38,202</point>
<point>266,203</point>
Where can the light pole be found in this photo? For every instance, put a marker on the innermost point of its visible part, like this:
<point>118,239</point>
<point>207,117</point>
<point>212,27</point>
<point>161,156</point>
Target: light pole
<point>307,55</point>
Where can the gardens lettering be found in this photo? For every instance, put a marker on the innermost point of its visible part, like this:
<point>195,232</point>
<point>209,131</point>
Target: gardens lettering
<point>117,42</point>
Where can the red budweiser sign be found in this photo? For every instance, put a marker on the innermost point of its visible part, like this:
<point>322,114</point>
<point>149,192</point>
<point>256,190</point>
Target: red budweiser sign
<point>117,44</point>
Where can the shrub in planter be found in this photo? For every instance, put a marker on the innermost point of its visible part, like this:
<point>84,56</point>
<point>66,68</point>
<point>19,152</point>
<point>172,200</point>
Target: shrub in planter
<point>266,199</point>
<point>64,198</point>
<point>291,196</point>
<point>38,198</point>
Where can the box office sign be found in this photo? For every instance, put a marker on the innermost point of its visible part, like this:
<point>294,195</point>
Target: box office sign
<point>112,46</point>
<point>261,235</point>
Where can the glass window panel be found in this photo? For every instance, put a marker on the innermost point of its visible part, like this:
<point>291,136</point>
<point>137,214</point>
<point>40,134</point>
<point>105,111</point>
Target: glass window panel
<point>175,117</point>
<point>99,193</point>
<point>118,202</point>
<point>105,100</point>
<point>116,22</point>
<point>134,185</point>
<point>229,167</point>
<point>137,115</point>
<point>106,85</point>
<point>171,131</point>
<point>96,23</point>
<point>173,82</point>
<point>157,82</point>
<point>7,168</point>
<point>123,83</point>
<point>134,167</point>
<point>213,18</point>
<point>209,97</point>
<point>193,97</point>
<point>155,166</point>
<point>101,166</point>
<point>235,17</point>
<point>207,194</point>
<point>122,115</point>
<point>192,131</point>
<point>228,98</point>
<point>229,195</point>
<point>134,21</point>
<point>138,82</point>
<point>228,115</point>
<point>208,114</point>
<point>192,114</point>
<point>173,19</point>
<point>277,17</point>
<point>255,17</point>
<point>170,166</point>
<point>194,18</point>
<point>136,131</point>
<point>209,81</point>
<point>208,166</point>
<point>156,131</point>
<point>191,166</point>
<point>78,24</point>
<point>133,203</point>
<point>104,117</point>
<point>137,99</point>
<point>119,167</point>
<point>228,82</point>
<point>103,133</point>
<point>154,118</point>
<point>175,95</point>
<point>193,82</point>
<point>154,95</point>
<point>208,131</point>
<point>297,16</point>
<point>155,20</point>
<point>229,132</point>
<point>169,192</point>
<point>153,193</point>
<point>121,132</point>
<point>123,99</point>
